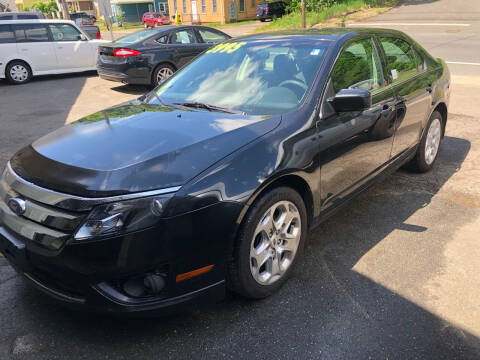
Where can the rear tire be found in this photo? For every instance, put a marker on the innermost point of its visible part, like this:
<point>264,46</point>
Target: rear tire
<point>428,148</point>
<point>262,20</point>
<point>269,243</point>
<point>162,72</point>
<point>18,72</point>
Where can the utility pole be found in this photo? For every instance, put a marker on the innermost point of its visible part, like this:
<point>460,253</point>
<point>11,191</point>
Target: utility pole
<point>64,8</point>
<point>304,21</point>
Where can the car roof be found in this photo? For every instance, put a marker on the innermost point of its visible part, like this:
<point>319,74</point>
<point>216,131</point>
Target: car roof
<point>37,21</point>
<point>328,34</point>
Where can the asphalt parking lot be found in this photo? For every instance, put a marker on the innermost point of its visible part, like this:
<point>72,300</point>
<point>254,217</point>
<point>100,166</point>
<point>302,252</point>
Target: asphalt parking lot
<point>395,275</point>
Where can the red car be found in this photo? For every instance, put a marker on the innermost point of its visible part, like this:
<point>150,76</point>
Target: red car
<point>154,19</point>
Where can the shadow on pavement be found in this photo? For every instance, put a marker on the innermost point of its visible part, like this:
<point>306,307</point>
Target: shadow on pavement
<point>50,99</point>
<point>326,311</point>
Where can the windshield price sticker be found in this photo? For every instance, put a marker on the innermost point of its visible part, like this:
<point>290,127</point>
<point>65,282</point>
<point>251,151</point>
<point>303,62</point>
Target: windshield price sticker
<point>228,48</point>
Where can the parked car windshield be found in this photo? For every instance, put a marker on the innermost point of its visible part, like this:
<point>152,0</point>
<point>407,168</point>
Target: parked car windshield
<point>254,77</point>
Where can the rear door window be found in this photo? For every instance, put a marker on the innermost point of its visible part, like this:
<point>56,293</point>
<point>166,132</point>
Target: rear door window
<point>183,37</point>
<point>31,32</point>
<point>400,58</point>
<point>6,34</point>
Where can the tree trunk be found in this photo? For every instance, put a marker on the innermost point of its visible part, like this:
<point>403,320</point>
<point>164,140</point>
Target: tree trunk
<point>64,8</point>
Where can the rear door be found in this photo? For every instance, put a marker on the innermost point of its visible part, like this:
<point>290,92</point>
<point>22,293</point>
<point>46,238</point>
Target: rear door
<point>8,46</point>
<point>72,52</point>
<point>185,45</point>
<point>356,144</point>
<point>412,94</point>
<point>34,45</point>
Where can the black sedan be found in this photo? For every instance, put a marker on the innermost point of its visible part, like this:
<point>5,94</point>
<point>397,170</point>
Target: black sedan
<point>147,57</point>
<point>215,178</point>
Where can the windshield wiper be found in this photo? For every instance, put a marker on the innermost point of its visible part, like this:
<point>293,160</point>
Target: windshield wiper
<point>199,105</point>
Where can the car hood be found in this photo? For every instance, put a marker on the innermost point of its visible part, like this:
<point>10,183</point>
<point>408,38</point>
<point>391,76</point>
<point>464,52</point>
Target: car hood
<point>132,148</point>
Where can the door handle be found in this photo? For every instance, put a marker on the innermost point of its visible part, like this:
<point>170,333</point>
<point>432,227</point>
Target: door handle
<point>429,89</point>
<point>59,47</point>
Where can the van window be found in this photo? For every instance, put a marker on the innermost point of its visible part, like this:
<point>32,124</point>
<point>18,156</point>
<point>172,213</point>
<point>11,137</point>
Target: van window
<point>30,32</point>
<point>6,17</point>
<point>6,34</point>
<point>64,32</point>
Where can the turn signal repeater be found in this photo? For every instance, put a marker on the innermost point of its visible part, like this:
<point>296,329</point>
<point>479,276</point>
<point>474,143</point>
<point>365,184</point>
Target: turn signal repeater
<point>122,217</point>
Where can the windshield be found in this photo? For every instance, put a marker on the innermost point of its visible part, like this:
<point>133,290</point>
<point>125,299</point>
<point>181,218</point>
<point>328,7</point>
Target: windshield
<point>254,77</point>
<point>135,37</point>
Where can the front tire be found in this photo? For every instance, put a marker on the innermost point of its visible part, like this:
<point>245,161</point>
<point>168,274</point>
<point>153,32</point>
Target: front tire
<point>269,243</point>
<point>427,151</point>
<point>18,72</point>
<point>145,25</point>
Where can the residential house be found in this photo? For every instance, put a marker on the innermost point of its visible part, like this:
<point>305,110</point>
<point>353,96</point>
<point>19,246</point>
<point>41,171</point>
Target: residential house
<point>133,10</point>
<point>81,5</point>
<point>205,11</point>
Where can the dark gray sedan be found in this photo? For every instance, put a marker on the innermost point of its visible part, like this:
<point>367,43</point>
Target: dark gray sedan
<point>147,57</point>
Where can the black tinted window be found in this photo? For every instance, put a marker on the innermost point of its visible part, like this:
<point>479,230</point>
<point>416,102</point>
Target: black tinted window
<point>30,32</point>
<point>6,34</point>
<point>6,17</point>
<point>357,67</point>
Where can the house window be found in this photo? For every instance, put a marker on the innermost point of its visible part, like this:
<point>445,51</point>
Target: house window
<point>253,3</point>
<point>174,6</point>
<point>242,5</point>
<point>184,6</point>
<point>214,6</point>
<point>204,7</point>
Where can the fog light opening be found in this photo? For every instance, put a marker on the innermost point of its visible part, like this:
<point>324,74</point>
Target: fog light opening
<point>144,286</point>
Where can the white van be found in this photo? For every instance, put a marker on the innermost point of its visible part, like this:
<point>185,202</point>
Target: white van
<point>41,47</point>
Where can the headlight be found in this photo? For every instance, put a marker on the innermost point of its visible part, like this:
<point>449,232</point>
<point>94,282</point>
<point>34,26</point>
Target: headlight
<point>122,217</point>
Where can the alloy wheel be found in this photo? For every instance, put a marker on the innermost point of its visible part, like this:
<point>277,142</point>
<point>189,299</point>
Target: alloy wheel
<point>19,73</point>
<point>433,140</point>
<point>163,74</point>
<point>275,242</point>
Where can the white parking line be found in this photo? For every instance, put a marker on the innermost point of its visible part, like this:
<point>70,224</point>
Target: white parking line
<point>406,24</point>
<point>462,63</point>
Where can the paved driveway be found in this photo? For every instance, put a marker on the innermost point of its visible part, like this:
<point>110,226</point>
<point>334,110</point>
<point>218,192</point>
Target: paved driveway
<point>395,275</point>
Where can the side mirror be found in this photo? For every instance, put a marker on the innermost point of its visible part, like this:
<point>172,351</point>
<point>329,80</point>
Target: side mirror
<point>348,100</point>
<point>82,37</point>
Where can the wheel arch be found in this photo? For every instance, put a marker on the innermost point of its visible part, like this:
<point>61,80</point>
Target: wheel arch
<point>18,59</point>
<point>442,109</point>
<point>294,181</point>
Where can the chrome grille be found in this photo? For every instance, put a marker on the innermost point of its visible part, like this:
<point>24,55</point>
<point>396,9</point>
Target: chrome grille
<point>50,217</point>
<point>43,224</point>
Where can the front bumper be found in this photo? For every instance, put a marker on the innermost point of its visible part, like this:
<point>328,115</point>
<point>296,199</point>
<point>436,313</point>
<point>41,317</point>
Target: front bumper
<point>89,275</point>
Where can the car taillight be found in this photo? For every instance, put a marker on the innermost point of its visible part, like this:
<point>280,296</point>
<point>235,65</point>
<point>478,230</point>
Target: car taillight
<point>267,8</point>
<point>126,52</point>
<point>99,36</point>
<point>81,24</point>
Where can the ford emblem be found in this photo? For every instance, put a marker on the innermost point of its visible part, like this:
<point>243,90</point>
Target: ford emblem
<point>17,205</point>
